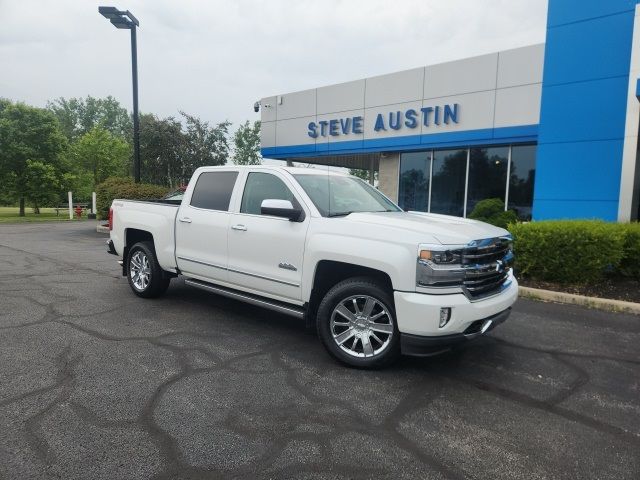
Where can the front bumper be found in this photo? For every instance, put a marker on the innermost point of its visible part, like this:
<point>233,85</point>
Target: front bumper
<point>418,314</point>
<point>421,346</point>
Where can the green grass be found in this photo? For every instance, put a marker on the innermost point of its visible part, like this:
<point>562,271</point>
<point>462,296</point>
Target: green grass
<point>12,215</point>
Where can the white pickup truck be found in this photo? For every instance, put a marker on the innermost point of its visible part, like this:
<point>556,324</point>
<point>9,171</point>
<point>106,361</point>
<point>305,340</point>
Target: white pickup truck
<point>327,248</point>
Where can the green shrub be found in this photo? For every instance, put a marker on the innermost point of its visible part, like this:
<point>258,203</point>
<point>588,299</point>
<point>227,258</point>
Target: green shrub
<point>630,263</point>
<point>125,188</point>
<point>491,210</point>
<point>569,251</point>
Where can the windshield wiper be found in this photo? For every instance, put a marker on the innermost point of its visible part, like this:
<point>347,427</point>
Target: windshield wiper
<point>344,214</point>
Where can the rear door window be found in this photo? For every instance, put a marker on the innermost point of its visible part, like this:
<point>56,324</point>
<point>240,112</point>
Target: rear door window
<point>213,190</point>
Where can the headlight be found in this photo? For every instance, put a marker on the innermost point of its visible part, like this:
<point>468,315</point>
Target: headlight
<point>439,266</point>
<point>440,257</point>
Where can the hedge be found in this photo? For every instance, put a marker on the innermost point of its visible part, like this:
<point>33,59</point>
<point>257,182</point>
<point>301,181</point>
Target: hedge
<point>576,251</point>
<point>491,210</point>
<point>116,187</point>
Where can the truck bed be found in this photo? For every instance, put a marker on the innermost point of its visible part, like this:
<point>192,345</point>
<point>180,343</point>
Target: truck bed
<point>157,217</point>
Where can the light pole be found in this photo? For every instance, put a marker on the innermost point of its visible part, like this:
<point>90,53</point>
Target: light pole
<point>126,20</point>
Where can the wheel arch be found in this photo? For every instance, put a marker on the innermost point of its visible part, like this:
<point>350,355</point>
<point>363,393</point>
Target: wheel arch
<point>131,237</point>
<point>331,272</point>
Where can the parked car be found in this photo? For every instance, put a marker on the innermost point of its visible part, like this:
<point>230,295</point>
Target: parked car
<point>327,248</point>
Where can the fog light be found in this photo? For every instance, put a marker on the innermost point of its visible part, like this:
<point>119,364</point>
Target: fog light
<point>445,316</point>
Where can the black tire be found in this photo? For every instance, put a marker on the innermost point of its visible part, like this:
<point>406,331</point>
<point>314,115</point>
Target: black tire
<point>157,282</point>
<point>384,348</point>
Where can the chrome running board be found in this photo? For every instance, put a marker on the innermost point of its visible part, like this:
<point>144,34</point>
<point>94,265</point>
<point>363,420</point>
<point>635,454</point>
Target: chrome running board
<point>267,303</point>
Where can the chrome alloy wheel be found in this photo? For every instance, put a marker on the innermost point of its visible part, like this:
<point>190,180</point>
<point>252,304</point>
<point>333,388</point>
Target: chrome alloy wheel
<point>361,326</point>
<point>140,270</point>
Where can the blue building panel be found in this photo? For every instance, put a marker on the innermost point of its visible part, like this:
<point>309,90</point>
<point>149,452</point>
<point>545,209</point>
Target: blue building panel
<point>588,209</point>
<point>594,175</point>
<point>583,110</point>
<point>568,11</point>
<point>599,48</point>
<point>591,110</point>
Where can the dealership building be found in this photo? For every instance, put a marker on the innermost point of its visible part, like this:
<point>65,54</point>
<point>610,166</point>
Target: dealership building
<point>552,129</point>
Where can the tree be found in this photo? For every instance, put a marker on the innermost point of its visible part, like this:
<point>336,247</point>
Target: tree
<point>162,151</point>
<point>27,133</point>
<point>246,142</point>
<point>78,116</point>
<point>363,174</point>
<point>205,145</point>
<point>42,184</point>
<point>101,154</point>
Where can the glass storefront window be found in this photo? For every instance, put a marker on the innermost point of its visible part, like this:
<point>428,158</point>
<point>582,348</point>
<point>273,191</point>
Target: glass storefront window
<point>447,172</point>
<point>487,175</point>
<point>448,182</point>
<point>413,192</point>
<point>521,180</point>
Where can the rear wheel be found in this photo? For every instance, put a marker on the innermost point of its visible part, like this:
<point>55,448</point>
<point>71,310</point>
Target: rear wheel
<point>356,323</point>
<point>144,273</point>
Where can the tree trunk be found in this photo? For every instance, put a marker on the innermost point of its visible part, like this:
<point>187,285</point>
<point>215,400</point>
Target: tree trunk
<point>22,206</point>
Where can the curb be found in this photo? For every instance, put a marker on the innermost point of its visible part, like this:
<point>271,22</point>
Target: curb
<point>570,298</point>
<point>102,229</point>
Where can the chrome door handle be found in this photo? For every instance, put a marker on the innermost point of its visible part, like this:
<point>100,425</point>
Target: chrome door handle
<point>240,227</point>
<point>185,220</point>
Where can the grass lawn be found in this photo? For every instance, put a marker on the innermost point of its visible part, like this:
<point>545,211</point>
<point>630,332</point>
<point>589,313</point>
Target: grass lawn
<point>11,215</point>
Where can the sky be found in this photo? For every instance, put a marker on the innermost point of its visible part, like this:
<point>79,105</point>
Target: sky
<point>214,58</point>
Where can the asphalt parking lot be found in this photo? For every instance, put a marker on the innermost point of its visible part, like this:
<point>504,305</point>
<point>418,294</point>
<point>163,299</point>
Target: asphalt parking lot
<point>97,383</point>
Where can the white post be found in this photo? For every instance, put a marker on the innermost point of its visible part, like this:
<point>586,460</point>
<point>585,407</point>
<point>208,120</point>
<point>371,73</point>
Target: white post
<point>93,206</point>
<point>70,206</point>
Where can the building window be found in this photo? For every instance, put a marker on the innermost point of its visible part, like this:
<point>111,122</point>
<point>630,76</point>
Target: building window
<point>415,170</point>
<point>448,178</point>
<point>521,179</point>
<point>439,181</point>
<point>487,175</point>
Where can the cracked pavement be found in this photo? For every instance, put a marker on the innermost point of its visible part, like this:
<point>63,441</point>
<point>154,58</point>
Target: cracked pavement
<point>98,383</point>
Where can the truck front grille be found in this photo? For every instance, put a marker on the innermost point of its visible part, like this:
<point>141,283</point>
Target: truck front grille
<point>487,265</point>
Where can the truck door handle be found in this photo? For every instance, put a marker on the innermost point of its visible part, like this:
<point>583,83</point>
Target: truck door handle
<point>239,227</point>
<point>185,220</point>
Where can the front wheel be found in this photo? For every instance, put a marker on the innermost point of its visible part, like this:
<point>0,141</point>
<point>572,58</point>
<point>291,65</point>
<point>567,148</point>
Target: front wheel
<point>356,323</point>
<point>144,273</point>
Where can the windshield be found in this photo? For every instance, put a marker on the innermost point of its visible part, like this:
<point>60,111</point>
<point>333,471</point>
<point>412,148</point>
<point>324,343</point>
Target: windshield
<point>335,195</point>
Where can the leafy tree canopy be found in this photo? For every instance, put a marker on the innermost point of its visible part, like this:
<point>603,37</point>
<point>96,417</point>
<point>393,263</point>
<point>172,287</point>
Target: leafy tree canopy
<point>162,151</point>
<point>205,145</point>
<point>246,144</point>
<point>28,133</point>
<point>100,154</point>
<point>78,116</point>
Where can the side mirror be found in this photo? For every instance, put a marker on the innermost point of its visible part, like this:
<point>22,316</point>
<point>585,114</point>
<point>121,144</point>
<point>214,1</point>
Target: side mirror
<point>281,208</point>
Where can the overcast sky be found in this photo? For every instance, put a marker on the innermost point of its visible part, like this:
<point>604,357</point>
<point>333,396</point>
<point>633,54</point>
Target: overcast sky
<point>215,58</point>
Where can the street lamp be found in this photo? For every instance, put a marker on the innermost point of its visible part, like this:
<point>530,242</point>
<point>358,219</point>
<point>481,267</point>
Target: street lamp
<point>125,19</point>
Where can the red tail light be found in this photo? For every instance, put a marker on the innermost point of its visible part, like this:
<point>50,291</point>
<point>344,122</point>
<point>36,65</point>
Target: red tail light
<point>110,219</point>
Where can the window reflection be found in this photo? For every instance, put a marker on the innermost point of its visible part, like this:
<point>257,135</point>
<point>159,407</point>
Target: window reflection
<point>414,181</point>
<point>487,179</point>
<point>447,190</point>
<point>521,180</point>
<point>487,175</point>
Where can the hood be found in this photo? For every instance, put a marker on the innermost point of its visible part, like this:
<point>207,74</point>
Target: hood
<point>445,229</point>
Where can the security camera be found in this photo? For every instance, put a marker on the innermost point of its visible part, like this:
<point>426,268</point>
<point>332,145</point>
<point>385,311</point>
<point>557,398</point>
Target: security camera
<point>256,107</point>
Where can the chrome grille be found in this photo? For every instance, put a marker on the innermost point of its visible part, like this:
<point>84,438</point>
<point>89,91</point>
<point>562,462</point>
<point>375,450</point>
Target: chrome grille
<point>487,264</point>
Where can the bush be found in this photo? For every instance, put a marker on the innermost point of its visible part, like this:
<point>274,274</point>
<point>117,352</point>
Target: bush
<point>491,210</point>
<point>126,188</point>
<point>630,263</point>
<point>570,251</point>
